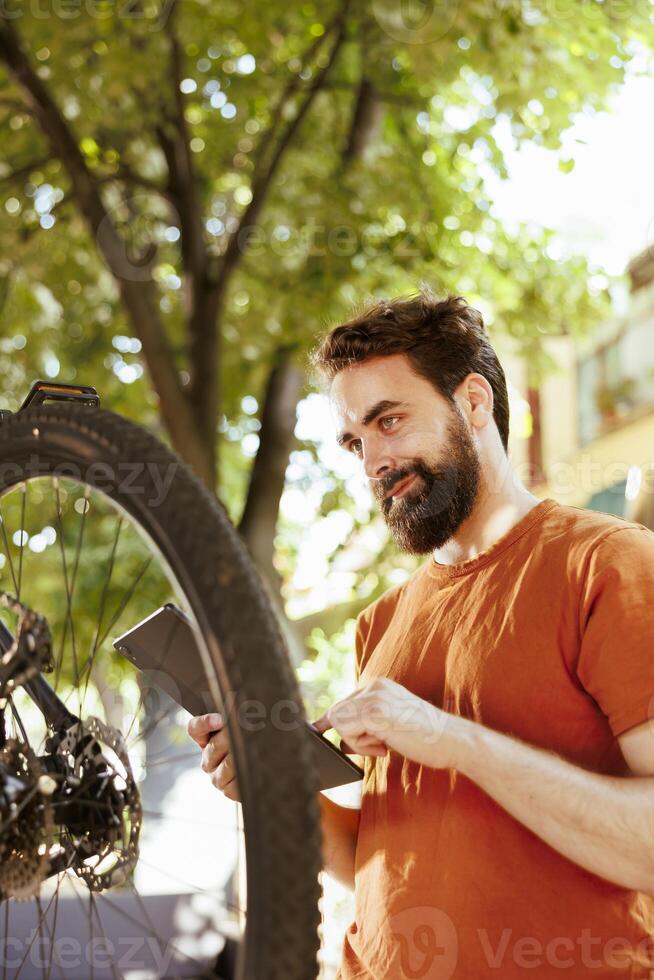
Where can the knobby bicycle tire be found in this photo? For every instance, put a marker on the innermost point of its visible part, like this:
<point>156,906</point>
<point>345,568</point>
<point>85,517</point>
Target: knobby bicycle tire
<point>277,780</point>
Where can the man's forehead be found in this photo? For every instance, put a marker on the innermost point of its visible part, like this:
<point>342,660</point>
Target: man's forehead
<point>354,388</point>
<point>361,393</point>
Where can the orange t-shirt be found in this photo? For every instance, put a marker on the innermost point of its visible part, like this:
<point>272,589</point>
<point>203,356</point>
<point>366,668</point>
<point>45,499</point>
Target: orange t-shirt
<point>548,636</point>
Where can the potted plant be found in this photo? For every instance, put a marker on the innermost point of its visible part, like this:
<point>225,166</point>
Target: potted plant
<point>625,394</point>
<point>606,402</point>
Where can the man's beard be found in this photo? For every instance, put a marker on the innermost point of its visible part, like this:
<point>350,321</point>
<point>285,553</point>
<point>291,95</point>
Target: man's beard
<point>440,499</point>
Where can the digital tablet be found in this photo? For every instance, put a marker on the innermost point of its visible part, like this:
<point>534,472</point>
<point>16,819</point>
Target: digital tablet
<point>164,645</point>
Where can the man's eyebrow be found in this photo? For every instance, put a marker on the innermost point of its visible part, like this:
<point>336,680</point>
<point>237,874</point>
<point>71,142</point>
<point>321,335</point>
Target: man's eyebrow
<point>371,414</point>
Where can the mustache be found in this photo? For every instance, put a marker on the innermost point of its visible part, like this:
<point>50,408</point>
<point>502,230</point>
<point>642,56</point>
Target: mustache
<point>383,487</point>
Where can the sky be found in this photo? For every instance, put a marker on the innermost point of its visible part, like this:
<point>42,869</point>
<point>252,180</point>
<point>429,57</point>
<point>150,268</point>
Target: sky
<point>604,208</point>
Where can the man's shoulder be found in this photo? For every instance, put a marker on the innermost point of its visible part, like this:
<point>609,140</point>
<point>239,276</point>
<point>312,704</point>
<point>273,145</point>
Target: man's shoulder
<point>581,543</point>
<point>582,530</point>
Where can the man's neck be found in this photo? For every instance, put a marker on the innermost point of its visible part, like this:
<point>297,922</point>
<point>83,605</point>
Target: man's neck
<point>495,513</point>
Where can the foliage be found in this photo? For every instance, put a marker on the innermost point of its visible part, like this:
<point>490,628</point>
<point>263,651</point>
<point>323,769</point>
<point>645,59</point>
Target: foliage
<point>381,186</point>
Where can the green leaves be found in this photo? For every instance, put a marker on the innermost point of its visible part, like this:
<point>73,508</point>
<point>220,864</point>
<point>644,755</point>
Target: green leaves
<point>410,204</point>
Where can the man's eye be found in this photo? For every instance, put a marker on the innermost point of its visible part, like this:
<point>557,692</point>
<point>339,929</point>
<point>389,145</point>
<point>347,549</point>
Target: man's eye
<point>389,418</point>
<point>355,446</point>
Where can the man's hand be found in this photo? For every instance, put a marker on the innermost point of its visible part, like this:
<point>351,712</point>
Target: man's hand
<point>383,715</point>
<point>208,732</point>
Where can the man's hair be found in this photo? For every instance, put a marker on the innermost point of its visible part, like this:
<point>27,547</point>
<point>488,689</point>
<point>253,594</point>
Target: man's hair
<point>444,339</point>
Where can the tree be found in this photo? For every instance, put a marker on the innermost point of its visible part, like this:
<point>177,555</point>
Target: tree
<point>217,182</point>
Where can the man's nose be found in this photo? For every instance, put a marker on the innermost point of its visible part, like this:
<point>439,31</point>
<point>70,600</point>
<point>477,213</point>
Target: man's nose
<point>377,460</point>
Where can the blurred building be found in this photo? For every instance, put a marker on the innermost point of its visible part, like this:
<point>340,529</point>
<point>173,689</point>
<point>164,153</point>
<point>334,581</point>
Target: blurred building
<point>590,438</point>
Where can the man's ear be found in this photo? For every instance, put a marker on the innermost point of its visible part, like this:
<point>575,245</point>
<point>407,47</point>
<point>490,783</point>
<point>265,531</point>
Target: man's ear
<point>475,398</point>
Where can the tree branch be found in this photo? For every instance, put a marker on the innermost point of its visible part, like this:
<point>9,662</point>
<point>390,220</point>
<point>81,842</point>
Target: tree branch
<point>262,182</point>
<point>278,413</point>
<point>203,394</point>
<point>173,138</point>
<point>205,339</point>
<point>393,98</point>
<point>139,295</point>
<point>19,172</point>
<point>366,117</point>
<point>258,523</point>
<point>126,175</point>
<point>293,86</point>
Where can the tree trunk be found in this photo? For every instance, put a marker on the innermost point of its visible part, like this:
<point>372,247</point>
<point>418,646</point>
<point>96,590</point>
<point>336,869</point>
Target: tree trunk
<point>366,120</point>
<point>258,522</point>
<point>276,439</point>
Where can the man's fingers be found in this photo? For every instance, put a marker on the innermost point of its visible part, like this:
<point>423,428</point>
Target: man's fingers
<point>224,778</point>
<point>200,727</point>
<point>207,730</point>
<point>365,745</point>
<point>322,724</point>
<point>231,791</point>
<point>214,752</point>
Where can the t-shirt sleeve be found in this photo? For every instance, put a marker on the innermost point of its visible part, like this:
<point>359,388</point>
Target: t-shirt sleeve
<point>616,660</point>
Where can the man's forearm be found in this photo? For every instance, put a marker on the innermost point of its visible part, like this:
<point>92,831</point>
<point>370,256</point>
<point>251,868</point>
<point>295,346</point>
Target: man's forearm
<point>603,823</point>
<point>340,826</point>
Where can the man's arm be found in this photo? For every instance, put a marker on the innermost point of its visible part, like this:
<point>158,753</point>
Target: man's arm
<point>603,823</point>
<point>340,827</point>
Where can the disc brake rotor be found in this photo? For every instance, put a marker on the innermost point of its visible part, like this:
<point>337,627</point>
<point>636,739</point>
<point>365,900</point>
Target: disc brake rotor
<point>98,805</point>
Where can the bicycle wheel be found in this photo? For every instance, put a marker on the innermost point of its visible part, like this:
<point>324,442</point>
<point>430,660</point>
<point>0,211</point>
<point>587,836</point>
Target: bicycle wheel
<point>99,526</point>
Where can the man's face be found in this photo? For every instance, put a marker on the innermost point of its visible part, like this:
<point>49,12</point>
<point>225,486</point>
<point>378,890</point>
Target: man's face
<point>415,447</point>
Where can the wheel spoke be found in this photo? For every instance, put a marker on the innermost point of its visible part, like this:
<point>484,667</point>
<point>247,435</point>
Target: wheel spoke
<point>69,589</point>
<point>163,943</point>
<point>5,964</point>
<point>64,568</point>
<point>22,537</point>
<point>31,943</point>
<point>8,551</point>
<point>92,910</point>
<point>162,715</point>
<point>105,588</point>
<point>197,889</point>
<point>43,921</point>
<point>130,918</point>
<point>126,598</point>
